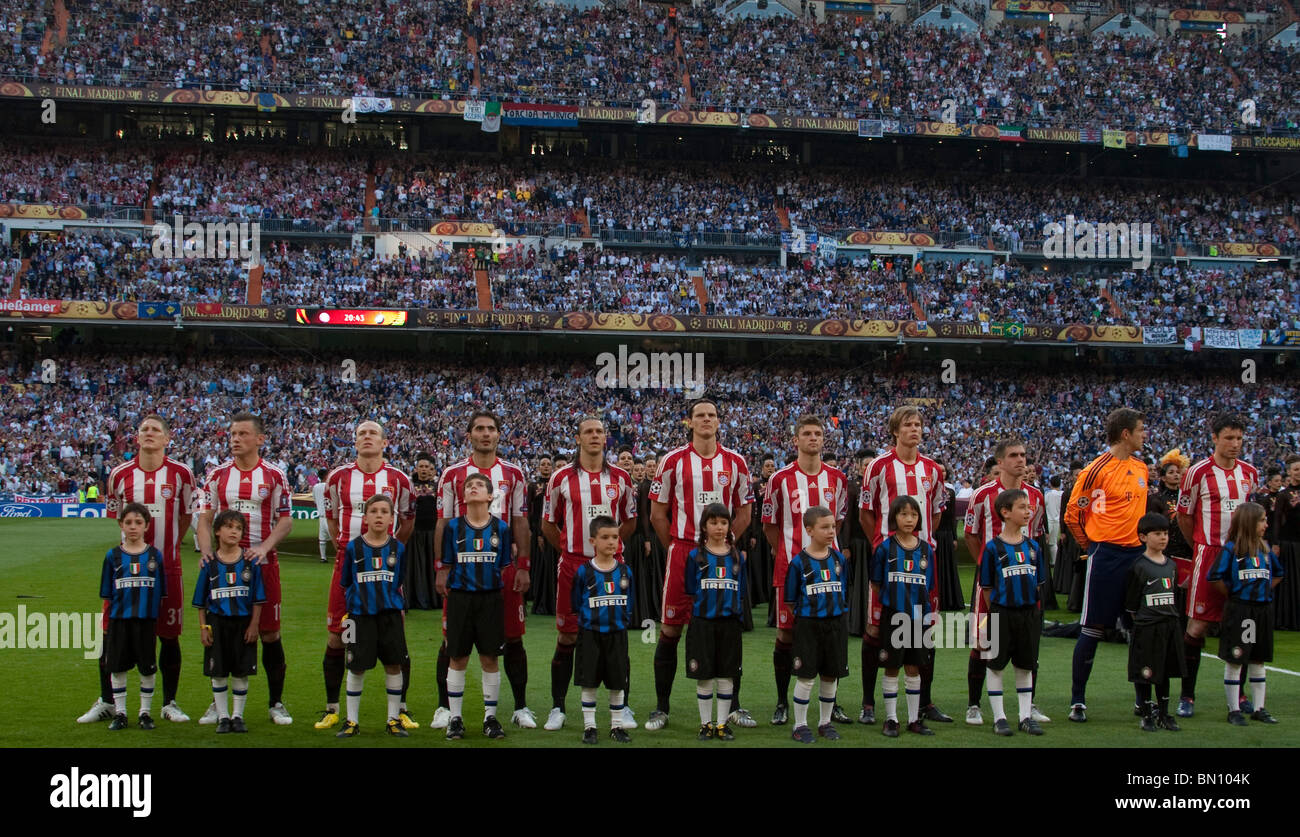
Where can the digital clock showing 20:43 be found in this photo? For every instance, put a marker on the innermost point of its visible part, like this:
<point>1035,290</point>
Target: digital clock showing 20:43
<point>349,317</point>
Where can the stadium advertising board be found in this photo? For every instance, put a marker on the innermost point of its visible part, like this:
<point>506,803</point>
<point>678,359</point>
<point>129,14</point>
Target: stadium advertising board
<point>352,317</point>
<point>52,510</point>
<point>238,313</point>
<point>41,212</point>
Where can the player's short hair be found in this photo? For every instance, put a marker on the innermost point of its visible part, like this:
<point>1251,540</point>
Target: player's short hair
<point>990,464</point>
<point>478,414</point>
<point>815,514</point>
<point>1272,472</point>
<point>228,517</point>
<point>1152,522</point>
<point>1006,499</point>
<point>1076,465</point>
<point>690,408</point>
<point>1005,445</point>
<point>899,503</point>
<point>600,521</point>
<point>901,415</point>
<point>807,419</point>
<point>423,456</point>
<point>483,478</point>
<point>133,508</point>
<point>591,417</point>
<point>321,473</point>
<point>622,449</point>
<point>1291,460</point>
<point>256,421</point>
<point>1225,421</point>
<point>166,426</point>
<point>380,498</point>
<point>767,457</point>
<point>867,453</point>
<point>382,432</point>
<point>1117,421</point>
<point>1056,481</point>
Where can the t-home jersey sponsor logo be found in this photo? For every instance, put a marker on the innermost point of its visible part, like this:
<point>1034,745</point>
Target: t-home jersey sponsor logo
<point>133,791</point>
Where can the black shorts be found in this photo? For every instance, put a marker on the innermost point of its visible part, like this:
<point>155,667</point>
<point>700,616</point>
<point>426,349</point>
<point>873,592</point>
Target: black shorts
<point>476,620</point>
<point>1155,652</point>
<point>821,647</point>
<point>381,636</point>
<point>229,655</point>
<point>713,648</point>
<point>132,644</point>
<point>1018,630</point>
<point>601,659</point>
<point>1237,642</point>
<point>898,644</point>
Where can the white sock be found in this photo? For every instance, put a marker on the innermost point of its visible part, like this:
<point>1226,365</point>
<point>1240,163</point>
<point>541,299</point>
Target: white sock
<point>890,685</point>
<point>994,682</point>
<point>1256,673</point>
<point>912,687</point>
<point>616,707</point>
<point>393,685</point>
<point>588,708</point>
<point>355,682</point>
<point>491,691</point>
<point>704,697</point>
<point>1025,691</point>
<point>1232,685</point>
<point>221,697</point>
<point>802,694</point>
<point>119,691</point>
<point>146,692</point>
<point>826,701</point>
<point>455,691</point>
<point>723,686</point>
<point>239,688</point>
<point>322,550</point>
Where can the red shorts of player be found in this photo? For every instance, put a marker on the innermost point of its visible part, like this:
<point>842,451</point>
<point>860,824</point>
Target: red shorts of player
<point>1184,567</point>
<point>873,607</point>
<point>338,604</point>
<point>171,611</point>
<point>270,621</point>
<point>513,603</point>
<point>566,620</point>
<point>1203,601</point>
<point>784,612</point>
<point>677,605</point>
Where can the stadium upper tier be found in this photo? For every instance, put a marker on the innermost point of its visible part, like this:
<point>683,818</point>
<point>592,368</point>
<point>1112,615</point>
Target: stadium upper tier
<point>318,190</point>
<point>532,51</point>
<point>51,429</point>
<point>122,268</point>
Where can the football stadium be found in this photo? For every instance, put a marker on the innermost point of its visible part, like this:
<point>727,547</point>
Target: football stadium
<point>822,374</point>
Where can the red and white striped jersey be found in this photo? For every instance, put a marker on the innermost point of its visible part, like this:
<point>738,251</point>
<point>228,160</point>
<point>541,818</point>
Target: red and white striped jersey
<point>261,494</point>
<point>1210,494</point>
<point>169,494</point>
<point>576,496</point>
<point>790,492</point>
<point>688,482</point>
<point>509,490</point>
<point>889,477</point>
<point>983,521</point>
<point>348,487</point>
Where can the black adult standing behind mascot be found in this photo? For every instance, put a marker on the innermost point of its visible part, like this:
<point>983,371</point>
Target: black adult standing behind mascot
<point>544,568</point>
<point>945,552</point>
<point>1285,539</point>
<point>420,576</point>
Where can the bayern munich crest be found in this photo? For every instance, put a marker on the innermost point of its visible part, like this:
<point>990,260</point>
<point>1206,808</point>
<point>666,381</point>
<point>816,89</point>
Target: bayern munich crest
<point>723,480</point>
<point>263,492</point>
<point>166,492</point>
<point>611,491</point>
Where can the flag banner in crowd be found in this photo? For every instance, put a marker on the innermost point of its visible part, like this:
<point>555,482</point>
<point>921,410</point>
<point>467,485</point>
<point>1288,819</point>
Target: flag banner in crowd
<point>1192,338</point>
<point>1250,338</point>
<point>474,111</point>
<point>648,113</point>
<point>1010,133</point>
<point>1114,139</point>
<point>1092,135</point>
<point>1160,335</point>
<point>1214,142</point>
<point>1012,331</point>
<point>1221,338</point>
<point>371,104</point>
<point>546,116</point>
<point>491,117</point>
<point>870,128</point>
<point>266,102</point>
<point>158,310</point>
<point>1284,337</point>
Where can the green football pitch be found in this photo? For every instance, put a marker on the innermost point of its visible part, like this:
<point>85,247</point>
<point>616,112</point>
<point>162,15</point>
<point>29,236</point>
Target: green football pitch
<point>50,567</point>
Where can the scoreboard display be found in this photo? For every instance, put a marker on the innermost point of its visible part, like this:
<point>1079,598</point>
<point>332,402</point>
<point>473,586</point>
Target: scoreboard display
<point>354,317</point>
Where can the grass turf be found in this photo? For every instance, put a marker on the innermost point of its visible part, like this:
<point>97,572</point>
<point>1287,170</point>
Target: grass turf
<point>52,567</point>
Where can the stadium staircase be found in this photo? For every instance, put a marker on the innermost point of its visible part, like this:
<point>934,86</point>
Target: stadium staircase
<point>1115,310</point>
<point>583,221</point>
<point>16,292</point>
<point>471,45</point>
<point>701,292</point>
<point>370,201</point>
<point>681,57</point>
<point>1045,55</point>
<point>483,286</point>
<point>253,290</point>
<point>61,18</point>
<point>783,216</point>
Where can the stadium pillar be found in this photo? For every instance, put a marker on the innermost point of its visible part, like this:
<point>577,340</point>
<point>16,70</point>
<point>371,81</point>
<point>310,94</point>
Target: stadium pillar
<point>898,156</point>
<point>1083,165</point>
<point>806,154</point>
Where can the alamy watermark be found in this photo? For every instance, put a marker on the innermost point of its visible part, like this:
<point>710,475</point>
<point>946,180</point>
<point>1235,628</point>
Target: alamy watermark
<point>655,370</point>
<point>208,240</point>
<point>40,631</point>
<point>1085,240</point>
<point>947,630</point>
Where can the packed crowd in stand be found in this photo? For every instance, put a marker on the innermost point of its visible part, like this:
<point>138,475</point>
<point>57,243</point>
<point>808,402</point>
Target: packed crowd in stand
<point>70,429</point>
<point>123,268</point>
<point>625,53</point>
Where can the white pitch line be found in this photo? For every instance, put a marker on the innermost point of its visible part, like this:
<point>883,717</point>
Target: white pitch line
<point>1266,668</point>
